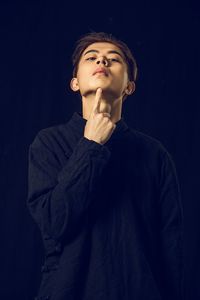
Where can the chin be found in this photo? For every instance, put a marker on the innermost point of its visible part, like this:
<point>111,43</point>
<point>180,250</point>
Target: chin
<point>108,91</point>
<point>104,85</point>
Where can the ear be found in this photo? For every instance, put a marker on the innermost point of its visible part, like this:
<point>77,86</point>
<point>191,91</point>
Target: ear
<point>130,88</point>
<point>74,84</point>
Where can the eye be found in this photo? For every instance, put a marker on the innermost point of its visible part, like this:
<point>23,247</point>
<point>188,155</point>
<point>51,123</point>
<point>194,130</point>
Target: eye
<point>91,58</point>
<point>114,59</point>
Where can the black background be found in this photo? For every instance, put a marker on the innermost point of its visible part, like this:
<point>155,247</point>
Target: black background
<point>37,40</point>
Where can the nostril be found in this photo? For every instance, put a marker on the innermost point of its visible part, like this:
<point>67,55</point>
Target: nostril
<point>103,62</point>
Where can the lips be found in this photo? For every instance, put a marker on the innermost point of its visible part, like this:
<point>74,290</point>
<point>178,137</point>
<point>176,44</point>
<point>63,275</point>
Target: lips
<point>101,70</point>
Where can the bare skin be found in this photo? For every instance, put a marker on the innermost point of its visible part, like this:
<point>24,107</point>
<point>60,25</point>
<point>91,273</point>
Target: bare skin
<point>99,126</point>
<point>101,93</point>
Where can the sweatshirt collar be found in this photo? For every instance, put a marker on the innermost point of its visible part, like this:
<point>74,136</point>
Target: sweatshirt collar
<point>77,123</point>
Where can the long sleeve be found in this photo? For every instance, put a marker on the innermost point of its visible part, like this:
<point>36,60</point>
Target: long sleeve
<point>58,196</point>
<point>171,221</point>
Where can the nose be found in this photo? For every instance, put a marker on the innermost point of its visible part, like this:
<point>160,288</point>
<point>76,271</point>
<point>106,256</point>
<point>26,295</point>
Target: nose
<point>102,60</point>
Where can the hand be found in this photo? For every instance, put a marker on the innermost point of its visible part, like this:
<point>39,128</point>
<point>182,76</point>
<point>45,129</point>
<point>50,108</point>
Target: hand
<point>99,127</point>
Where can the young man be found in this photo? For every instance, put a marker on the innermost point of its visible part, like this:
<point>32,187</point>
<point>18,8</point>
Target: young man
<point>105,197</point>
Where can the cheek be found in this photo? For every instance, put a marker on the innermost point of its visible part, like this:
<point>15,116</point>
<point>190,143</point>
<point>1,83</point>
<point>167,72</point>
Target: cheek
<point>125,77</point>
<point>122,77</point>
<point>84,73</point>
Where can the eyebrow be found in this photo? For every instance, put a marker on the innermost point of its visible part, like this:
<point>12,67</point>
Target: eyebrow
<point>111,51</point>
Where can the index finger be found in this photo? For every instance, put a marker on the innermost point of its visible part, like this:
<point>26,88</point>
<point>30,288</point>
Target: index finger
<point>97,101</point>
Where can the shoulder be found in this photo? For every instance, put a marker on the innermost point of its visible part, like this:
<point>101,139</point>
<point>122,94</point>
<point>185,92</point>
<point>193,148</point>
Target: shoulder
<point>51,135</point>
<point>51,144</point>
<point>150,151</point>
<point>146,144</point>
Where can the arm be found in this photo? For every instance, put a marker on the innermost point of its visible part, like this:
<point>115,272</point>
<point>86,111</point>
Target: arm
<point>59,196</point>
<point>171,220</point>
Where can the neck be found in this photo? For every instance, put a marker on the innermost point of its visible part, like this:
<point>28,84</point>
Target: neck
<point>114,108</point>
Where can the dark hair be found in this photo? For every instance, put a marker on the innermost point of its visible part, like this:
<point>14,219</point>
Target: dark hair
<point>95,37</point>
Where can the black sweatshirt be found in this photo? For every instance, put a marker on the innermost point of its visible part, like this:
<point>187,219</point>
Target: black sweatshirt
<point>110,215</point>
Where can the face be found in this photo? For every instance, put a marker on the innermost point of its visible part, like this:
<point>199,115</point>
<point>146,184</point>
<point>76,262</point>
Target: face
<point>112,76</point>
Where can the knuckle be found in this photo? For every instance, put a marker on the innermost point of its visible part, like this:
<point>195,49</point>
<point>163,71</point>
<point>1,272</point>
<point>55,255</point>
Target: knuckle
<point>106,115</point>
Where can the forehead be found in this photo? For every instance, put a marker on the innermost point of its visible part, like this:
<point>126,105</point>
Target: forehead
<point>103,47</point>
